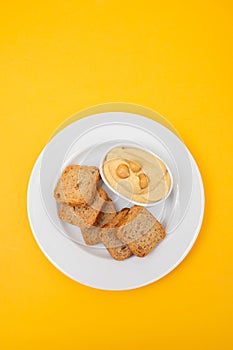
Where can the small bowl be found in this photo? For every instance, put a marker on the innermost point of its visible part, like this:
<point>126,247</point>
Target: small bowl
<point>150,204</point>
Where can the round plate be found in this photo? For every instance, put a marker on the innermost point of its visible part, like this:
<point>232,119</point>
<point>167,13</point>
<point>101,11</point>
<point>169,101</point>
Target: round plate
<point>95,268</point>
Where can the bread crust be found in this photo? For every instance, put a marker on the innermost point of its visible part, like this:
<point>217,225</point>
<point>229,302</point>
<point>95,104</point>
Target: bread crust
<point>117,249</point>
<point>140,231</point>
<point>91,234</point>
<point>77,185</point>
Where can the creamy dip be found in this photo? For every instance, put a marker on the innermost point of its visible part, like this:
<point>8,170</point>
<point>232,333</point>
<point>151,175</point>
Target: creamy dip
<point>136,174</point>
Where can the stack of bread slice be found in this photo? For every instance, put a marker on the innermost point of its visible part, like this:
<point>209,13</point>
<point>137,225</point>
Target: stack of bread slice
<point>84,204</point>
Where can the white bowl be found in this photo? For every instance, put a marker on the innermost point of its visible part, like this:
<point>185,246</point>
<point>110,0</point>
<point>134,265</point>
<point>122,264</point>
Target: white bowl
<point>126,198</point>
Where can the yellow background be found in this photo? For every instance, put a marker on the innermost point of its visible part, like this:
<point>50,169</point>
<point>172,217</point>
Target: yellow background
<point>57,57</point>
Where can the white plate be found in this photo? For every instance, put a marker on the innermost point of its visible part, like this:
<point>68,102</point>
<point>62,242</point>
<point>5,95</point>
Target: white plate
<point>86,141</point>
<point>94,267</point>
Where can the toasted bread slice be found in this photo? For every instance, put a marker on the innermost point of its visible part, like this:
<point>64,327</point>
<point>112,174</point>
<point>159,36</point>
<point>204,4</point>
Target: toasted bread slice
<point>117,249</point>
<point>84,216</point>
<point>90,218</point>
<point>77,185</point>
<point>91,234</point>
<point>89,213</point>
<point>66,213</point>
<point>142,246</point>
<point>140,231</point>
<point>107,214</point>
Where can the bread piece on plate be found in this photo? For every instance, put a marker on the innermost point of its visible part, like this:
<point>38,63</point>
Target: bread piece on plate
<point>90,218</point>
<point>77,185</point>
<point>89,213</point>
<point>107,214</point>
<point>117,249</point>
<point>84,216</point>
<point>91,234</point>
<point>66,213</point>
<point>140,231</point>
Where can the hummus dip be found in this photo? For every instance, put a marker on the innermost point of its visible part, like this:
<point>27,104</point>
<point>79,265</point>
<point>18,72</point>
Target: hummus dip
<point>136,174</point>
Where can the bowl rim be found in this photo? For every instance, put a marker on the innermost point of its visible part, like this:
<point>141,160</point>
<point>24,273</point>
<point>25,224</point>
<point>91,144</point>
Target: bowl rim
<point>150,204</point>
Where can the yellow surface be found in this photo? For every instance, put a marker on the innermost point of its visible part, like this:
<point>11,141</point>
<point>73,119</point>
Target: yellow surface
<point>57,57</point>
